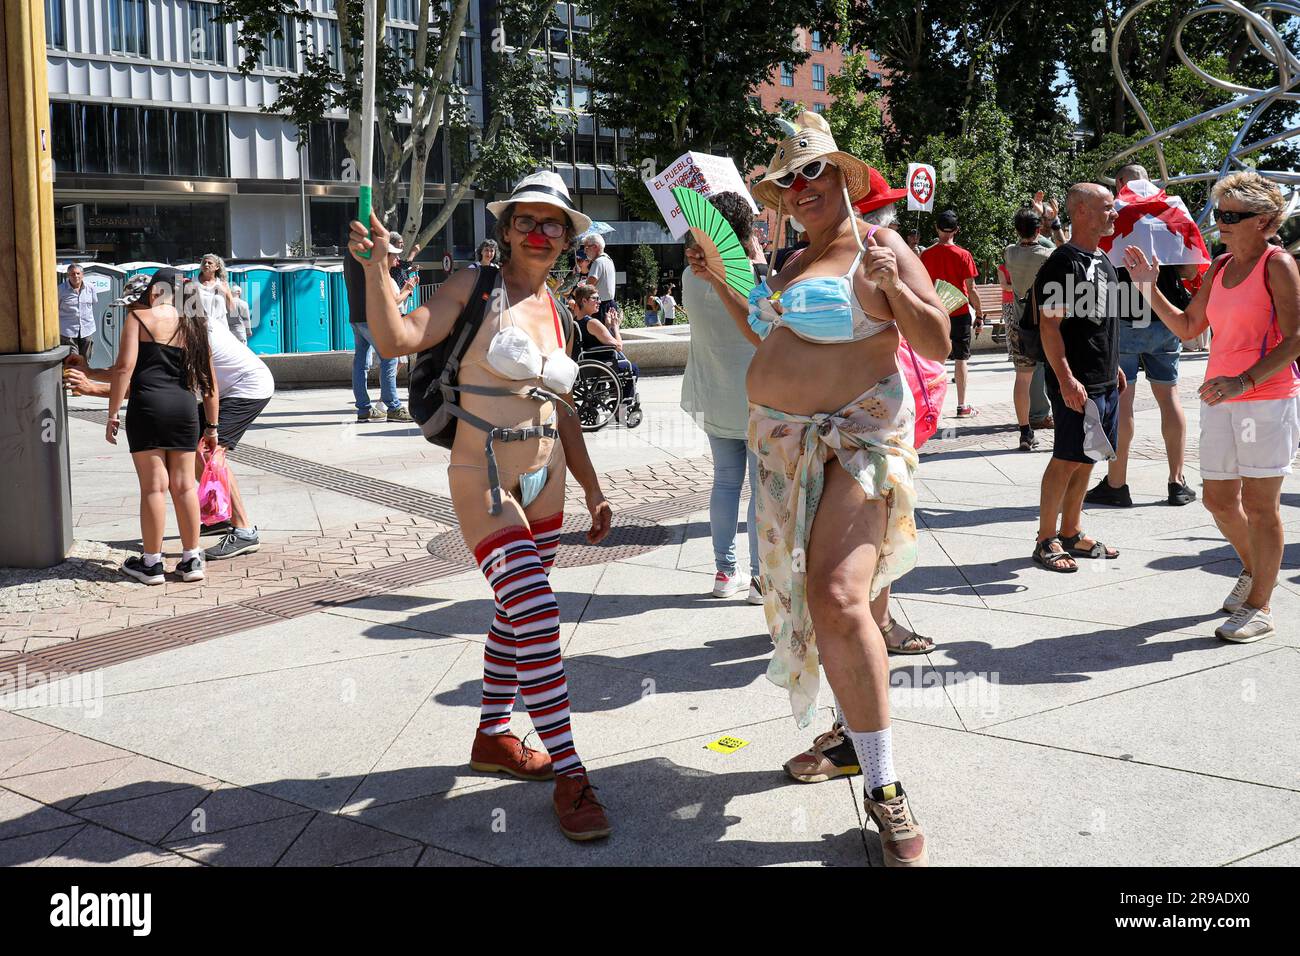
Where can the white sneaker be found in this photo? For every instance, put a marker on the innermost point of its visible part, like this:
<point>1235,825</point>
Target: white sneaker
<point>725,585</point>
<point>1239,592</point>
<point>1247,625</point>
<point>755,595</point>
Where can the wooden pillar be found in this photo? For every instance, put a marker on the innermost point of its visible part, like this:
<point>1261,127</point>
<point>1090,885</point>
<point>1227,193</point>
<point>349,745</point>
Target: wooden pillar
<point>29,320</point>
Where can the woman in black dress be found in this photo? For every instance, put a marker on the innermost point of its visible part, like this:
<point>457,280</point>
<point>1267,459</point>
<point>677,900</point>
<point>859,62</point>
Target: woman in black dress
<point>164,360</point>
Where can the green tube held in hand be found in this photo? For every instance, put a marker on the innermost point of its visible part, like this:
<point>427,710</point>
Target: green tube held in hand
<point>363,214</point>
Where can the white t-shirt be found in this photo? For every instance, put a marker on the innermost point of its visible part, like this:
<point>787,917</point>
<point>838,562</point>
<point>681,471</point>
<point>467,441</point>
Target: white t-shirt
<point>602,270</point>
<point>214,303</point>
<point>669,306</point>
<point>240,373</point>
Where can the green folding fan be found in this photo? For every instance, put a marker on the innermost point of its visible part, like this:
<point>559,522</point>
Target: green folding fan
<point>724,256</point>
<point>951,296</point>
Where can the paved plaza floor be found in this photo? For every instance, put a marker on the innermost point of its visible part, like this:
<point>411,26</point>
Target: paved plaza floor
<point>314,703</point>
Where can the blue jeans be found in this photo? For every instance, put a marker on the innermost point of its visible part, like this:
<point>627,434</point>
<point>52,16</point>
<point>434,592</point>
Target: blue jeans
<point>729,458</point>
<point>361,362</point>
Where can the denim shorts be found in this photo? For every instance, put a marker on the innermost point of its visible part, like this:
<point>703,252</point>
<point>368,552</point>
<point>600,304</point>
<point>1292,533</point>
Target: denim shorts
<point>1067,437</point>
<point>1152,348</point>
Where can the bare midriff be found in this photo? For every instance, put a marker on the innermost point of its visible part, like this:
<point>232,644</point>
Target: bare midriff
<point>794,375</point>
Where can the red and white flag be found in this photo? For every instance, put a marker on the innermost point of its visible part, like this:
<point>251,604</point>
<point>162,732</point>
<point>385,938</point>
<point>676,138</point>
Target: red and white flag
<point>1155,222</point>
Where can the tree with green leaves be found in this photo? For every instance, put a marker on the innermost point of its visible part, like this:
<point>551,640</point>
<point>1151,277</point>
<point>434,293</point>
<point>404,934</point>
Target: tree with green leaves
<point>678,74</point>
<point>642,273</point>
<point>416,96</point>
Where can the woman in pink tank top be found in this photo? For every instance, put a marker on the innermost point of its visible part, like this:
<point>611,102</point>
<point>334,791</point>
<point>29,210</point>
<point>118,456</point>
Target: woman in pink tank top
<point>1250,411</point>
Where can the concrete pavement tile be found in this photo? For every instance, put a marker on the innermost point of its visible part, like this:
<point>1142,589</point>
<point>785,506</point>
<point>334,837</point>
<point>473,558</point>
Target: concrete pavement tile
<point>963,466</point>
<point>935,578</point>
<point>258,844</point>
<point>143,777</point>
<point>96,846</point>
<point>63,788</point>
<point>330,840</point>
<point>433,856</point>
<point>291,733</point>
<point>148,818</point>
<point>1288,854</point>
<point>999,665</point>
<point>1244,725</point>
<point>226,808</point>
<point>678,805</point>
<point>175,861</point>
<point>20,815</point>
<point>994,802</point>
<point>33,848</point>
<point>398,858</point>
<point>69,750</point>
<point>18,749</point>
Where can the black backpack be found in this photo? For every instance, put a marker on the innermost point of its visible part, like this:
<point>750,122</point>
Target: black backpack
<point>435,376</point>
<point>1029,335</point>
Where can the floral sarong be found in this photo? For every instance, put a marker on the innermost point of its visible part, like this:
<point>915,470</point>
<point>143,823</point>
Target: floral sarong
<point>872,438</point>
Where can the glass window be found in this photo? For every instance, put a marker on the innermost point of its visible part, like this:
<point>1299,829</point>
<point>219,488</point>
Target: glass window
<point>581,98</point>
<point>185,143</point>
<point>213,157</point>
<point>127,27</point>
<point>819,107</point>
<point>63,137</point>
<point>559,40</point>
<point>816,40</point>
<point>207,36</point>
<point>319,151</point>
<point>464,72</point>
<point>155,142</point>
<point>787,74</point>
<point>563,150</point>
<point>605,152</point>
<point>586,152</point>
<point>408,10</point>
<point>332,45</point>
<point>278,54</point>
<point>56,34</point>
<point>126,140</point>
<point>402,41</point>
<point>819,76</point>
<point>94,138</point>
<point>561,101</point>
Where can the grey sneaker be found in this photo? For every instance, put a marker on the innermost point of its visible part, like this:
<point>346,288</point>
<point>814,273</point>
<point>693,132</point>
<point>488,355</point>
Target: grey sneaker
<point>399,415</point>
<point>231,545</point>
<point>900,835</point>
<point>1247,625</point>
<point>1239,592</point>
<point>191,570</point>
<point>376,414</point>
<point>144,573</point>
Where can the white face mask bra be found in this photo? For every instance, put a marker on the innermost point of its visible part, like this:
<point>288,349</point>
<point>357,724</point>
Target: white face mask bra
<point>514,355</point>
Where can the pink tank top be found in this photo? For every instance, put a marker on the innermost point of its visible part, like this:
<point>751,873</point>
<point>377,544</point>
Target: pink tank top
<point>1243,322</point>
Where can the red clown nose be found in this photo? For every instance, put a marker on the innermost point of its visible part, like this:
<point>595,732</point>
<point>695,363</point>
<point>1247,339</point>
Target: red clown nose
<point>536,239</point>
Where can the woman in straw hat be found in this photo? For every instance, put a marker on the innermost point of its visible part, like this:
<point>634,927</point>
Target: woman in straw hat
<point>509,495</point>
<point>824,382</point>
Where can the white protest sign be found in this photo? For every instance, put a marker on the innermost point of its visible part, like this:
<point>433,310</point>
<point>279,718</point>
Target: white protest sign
<point>920,187</point>
<point>698,171</point>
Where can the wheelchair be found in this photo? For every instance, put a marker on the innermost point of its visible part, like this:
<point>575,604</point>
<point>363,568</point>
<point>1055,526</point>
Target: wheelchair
<point>604,391</point>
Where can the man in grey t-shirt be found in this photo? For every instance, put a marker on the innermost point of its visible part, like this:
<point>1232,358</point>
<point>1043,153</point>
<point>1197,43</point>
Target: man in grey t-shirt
<point>601,274</point>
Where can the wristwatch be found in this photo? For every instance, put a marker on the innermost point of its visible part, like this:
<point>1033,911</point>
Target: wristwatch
<point>1056,224</point>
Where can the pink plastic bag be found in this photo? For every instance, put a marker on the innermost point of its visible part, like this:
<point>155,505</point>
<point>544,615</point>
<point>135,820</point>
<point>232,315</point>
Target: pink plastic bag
<point>928,381</point>
<point>214,489</point>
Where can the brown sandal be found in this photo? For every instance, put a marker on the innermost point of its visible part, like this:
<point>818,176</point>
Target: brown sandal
<point>912,643</point>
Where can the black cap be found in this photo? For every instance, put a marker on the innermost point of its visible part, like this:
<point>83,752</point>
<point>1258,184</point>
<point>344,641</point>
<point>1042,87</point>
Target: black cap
<point>946,219</point>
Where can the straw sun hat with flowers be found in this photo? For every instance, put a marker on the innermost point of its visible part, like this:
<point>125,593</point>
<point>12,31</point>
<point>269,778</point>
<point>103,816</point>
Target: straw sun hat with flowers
<point>808,138</point>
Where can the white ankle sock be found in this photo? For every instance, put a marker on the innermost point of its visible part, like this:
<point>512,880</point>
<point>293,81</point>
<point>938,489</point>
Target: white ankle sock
<point>875,749</point>
<point>190,553</point>
<point>150,559</point>
<point>839,714</point>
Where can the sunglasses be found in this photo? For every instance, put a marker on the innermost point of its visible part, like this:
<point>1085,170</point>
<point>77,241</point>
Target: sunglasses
<point>1232,217</point>
<point>550,228</point>
<point>808,171</point>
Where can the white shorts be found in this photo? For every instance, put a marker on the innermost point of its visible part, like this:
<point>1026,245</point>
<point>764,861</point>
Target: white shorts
<point>1249,439</point>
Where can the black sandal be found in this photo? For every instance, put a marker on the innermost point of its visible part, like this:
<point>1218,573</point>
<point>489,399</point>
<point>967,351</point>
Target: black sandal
<point>1054,560</point>
<point>1098,550</point>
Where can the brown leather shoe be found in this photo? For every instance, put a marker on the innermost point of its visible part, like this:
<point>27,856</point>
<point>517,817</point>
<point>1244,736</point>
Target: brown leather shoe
<point>900,835</point>
<point>581,815</point>
<point>506,753</point>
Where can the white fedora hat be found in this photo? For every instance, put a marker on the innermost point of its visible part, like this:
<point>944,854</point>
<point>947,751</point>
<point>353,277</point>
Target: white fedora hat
<point>543,186</point>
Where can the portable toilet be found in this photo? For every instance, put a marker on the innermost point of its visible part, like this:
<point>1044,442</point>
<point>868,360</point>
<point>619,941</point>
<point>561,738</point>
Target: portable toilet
<point>307,303</point>
<point>107,281</point>
<point>135,268</point>
<point>341,338</point>
<point>189,270</point>
<point>263,293</point>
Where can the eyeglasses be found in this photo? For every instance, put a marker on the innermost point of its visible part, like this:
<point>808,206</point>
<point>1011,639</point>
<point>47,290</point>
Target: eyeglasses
<point>550,228</point>
<point>1232,217</point>
<point>810,170</point>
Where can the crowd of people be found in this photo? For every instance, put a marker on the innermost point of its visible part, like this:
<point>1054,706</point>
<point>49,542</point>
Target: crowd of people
<point>828,459</point>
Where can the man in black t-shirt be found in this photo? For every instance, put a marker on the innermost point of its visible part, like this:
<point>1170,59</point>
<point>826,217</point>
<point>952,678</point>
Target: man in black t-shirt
<point>1147,345</point>
<point>1076,294</point>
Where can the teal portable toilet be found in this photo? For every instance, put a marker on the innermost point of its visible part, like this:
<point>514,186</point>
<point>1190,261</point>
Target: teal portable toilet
<point>190,270</point>
<point>265,298</point>
<point>307,301</point>
<point>107,281</point>
<point>341,337</point>
<point>135,268</point>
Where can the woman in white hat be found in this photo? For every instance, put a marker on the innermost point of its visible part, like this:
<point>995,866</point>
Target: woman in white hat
<point>824,385</point>
<point>515,383</point>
